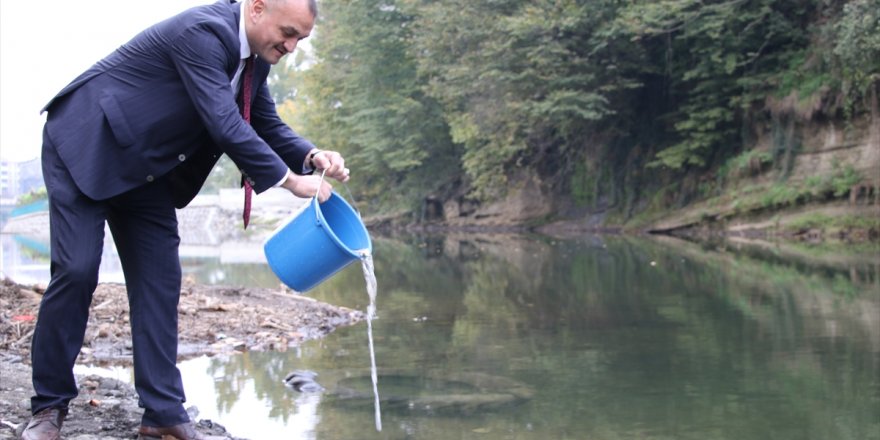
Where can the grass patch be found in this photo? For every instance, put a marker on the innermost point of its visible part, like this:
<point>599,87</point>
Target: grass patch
<point>748,163</point>
<point>825,222</point>
<point>754,198</point>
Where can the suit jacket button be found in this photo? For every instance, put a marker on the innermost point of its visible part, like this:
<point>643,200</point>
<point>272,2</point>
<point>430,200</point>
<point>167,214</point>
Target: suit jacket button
<point>150,178</point>
<point>181,158</point>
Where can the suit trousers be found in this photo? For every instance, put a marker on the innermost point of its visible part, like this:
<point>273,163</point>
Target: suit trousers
<point>143,223</point>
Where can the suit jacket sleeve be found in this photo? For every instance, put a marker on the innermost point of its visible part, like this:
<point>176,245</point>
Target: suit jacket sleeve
<point>292,147</point>
<point>200,61</point>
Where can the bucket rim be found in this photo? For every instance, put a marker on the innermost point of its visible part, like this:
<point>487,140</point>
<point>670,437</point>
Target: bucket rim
<point>338,198</point>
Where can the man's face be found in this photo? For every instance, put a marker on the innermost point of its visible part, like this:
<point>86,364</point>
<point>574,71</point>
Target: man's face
<point>274,27</point>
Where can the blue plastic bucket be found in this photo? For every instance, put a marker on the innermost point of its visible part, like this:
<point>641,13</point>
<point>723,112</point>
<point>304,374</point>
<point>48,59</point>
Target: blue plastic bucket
<point>317,242</point>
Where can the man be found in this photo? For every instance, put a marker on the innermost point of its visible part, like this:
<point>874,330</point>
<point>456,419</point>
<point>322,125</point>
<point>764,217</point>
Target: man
<point>131,139</point>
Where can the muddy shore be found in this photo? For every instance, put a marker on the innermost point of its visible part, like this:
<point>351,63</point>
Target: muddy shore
<point>212,320</point>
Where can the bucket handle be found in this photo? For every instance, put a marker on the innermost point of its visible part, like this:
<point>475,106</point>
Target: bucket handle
<point>350,195</point>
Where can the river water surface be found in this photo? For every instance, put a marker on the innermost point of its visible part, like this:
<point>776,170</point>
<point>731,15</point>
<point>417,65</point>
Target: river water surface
<point>606,337</point>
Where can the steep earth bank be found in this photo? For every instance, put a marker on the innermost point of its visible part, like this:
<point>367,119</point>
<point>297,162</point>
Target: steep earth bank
<point>820,181</point>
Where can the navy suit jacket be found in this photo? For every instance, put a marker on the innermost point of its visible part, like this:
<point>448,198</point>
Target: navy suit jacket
<point>162,105</point>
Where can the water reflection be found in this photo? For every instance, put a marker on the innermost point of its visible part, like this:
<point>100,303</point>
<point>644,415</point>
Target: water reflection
<point>613,338</point>
<point>26,260</point>
<point>223,390</point>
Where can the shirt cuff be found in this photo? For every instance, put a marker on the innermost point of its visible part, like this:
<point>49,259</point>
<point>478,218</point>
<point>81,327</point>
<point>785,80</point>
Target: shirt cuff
<point>306,169</point>
<point>280,182</point>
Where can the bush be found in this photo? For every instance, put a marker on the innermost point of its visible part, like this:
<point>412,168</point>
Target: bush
<point>33,196</point>
<point>843,179</point>
<point>748,163</point>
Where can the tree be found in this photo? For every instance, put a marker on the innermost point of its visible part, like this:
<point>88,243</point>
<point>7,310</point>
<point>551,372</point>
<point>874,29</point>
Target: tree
<point>857,47</point>
<point>367,101</point>
<point>721,57</point>
<point>517,79</point>
<point>595,96</point>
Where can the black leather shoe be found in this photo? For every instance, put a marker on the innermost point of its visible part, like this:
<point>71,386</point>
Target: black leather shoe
<point>45,425</point>
<point>184,431</point>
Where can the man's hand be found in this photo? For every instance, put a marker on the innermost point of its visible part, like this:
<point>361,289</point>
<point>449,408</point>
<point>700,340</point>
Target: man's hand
<point>307,186</point>
<point>330,162</point>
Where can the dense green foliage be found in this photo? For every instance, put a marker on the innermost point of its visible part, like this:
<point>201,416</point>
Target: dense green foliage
<point>364,98</point>
<point>606,100</point>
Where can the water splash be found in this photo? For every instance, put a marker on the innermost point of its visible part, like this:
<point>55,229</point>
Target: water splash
<point>370,279</point>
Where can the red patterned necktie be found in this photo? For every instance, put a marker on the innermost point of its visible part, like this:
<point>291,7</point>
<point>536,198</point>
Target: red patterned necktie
<point>246,114</point>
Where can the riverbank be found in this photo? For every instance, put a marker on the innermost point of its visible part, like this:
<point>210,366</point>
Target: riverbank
<point>817,222</point>
<point>213,320</point>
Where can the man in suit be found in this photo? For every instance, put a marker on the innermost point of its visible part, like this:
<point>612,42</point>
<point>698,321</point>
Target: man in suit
<point>126,143</point>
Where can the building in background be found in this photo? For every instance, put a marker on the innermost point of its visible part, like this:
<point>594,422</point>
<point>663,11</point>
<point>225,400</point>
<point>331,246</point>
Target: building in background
<point>19,178</point>
<point>8,177</point>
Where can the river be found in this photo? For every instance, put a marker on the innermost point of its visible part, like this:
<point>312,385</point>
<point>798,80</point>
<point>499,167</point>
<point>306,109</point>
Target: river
<point>530,337</point>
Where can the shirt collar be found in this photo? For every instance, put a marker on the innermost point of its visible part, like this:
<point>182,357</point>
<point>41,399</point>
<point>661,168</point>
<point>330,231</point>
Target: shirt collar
<point>242,35</point>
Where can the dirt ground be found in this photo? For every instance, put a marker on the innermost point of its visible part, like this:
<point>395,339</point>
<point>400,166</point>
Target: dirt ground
<point>212,320</point>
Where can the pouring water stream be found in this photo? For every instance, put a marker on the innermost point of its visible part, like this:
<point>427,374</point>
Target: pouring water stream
<point>370,278</point>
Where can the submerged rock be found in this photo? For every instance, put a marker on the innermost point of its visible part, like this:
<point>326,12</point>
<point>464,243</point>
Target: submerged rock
<point>303,381</point>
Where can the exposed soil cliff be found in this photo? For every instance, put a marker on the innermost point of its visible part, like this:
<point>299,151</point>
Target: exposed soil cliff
<point>818,180</point>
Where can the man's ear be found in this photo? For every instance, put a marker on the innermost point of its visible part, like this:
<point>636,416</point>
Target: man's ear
<point>257,8</point>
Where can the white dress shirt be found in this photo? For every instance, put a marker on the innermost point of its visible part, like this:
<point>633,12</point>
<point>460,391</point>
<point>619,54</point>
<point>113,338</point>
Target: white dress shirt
<point>245,54</point>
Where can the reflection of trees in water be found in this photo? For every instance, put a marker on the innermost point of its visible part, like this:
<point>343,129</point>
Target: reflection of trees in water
<point>601,321</point>
<point>681,305</point>
<point>814,295</point>
<point>265,370</point>
<point>612,282</point>
<point>214,271</point>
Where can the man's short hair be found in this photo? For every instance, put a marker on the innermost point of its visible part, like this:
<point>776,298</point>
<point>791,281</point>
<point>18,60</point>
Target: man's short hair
<point>313,6</point>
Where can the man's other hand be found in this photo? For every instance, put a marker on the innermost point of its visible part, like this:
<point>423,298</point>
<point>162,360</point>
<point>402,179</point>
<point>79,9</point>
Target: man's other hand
<point>331,163</point>
<point>307,186</point>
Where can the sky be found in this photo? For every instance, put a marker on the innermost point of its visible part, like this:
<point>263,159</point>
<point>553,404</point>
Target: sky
<point>46,44</point>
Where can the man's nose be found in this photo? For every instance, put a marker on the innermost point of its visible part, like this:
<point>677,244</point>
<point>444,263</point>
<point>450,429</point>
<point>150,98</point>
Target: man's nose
<point>290,45</point>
